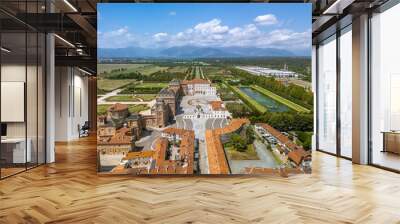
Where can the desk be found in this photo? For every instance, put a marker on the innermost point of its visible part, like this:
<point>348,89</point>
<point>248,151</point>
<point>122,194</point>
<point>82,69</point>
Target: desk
<point>391,141</point>
<point>13,150</point>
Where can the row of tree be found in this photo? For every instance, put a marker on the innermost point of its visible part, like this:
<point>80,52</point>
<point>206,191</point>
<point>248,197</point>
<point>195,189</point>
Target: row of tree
<point>159,76</point>
<point>134,89</point>
<point>286,121</point>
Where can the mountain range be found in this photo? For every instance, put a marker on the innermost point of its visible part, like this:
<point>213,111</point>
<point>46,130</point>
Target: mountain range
<point>195,52</point>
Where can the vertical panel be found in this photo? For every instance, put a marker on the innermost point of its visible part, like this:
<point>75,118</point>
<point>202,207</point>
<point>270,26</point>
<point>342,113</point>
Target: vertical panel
<point>41,99</point>
<point>346,92</point>
<point>31,98</point>
<point>327,95</point>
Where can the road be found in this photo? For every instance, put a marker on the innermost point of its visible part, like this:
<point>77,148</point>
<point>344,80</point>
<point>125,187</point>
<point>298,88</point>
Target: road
<point>102,99</point>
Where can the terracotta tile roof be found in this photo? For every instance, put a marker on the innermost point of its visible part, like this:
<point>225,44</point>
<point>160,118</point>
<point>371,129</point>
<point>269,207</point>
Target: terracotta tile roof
<point>122,137</point>
<point>297,156</point>
<point>217,105</point>
<point>217,161</point>
<point>160,148</point>
<point>177,131</point>
<point>196,81</point>
<point>233,126</point>
<point>186,151</point>
<point>118,107</point>
<point>141,154</point>
<point>280,137</point>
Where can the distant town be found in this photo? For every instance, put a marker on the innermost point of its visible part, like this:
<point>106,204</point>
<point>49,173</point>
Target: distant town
<point>202,117</point>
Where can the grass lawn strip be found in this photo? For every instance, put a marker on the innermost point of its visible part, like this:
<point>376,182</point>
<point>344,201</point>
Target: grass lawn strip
<point>112,84</point>
<point>280,99</point>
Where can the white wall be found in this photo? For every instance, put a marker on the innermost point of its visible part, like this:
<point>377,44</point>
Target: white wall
<point>71,102</point>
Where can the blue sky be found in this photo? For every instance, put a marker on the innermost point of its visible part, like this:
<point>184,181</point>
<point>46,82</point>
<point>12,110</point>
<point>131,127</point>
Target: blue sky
<point>153,25</point>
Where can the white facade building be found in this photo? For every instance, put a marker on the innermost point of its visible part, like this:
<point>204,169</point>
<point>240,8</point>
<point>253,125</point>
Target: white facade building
<point>199,87</point>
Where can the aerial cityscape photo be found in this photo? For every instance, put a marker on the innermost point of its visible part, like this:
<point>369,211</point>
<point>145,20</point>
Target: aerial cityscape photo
<point>210,89</point>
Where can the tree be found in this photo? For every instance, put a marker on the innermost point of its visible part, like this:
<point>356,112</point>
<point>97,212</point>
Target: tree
<point>238,142</point>
<point>250,135</point>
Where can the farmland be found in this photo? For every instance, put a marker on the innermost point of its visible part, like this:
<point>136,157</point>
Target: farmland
<point>145,69</point>
<point>110,85</point>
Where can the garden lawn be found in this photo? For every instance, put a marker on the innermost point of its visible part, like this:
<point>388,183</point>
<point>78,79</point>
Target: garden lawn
<point>151,85</point>
<point>146,97</point>
<point>138,108</point>
<point>102,108</point>
<point>122,98</point>
<point>249,154</point>
<point>109,85</point>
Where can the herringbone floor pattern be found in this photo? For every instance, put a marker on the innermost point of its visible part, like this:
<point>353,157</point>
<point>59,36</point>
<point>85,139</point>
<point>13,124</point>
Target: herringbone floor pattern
<point>70,191</point>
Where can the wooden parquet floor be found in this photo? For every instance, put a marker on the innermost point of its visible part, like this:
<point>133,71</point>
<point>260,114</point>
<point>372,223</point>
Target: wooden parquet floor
<point>70,191</point>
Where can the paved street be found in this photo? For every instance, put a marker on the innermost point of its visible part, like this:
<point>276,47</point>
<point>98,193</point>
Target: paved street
<point>189,105</point>
<point>148,140</point>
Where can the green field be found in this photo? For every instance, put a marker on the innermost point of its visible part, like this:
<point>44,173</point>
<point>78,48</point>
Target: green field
<point>137,108</point>
<point>102,109</point>
<point>280,99</point>
<point>145,69</point>
<point>177,69</point>
<point>101,68</point>
<point>250,101</point>
<point>131,98</point>
<point>112,84</point>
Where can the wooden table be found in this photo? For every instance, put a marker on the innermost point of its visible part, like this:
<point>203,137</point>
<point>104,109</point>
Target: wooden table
<point>391,141</point>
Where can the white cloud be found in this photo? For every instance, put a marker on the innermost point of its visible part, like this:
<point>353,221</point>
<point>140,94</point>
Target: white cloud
<point>212,33</point>
<point>211,27</point>
<point>265,20</point>
<point>172,13</point>
<point>118,38</point>
<point>160,37</point>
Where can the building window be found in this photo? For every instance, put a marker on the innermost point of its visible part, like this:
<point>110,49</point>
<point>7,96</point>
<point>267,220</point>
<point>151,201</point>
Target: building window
<point>385,89</point>
<point>327,95</point>
<point>346,92</point>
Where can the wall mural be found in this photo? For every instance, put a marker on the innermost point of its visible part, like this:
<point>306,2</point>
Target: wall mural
<point>204,88</point>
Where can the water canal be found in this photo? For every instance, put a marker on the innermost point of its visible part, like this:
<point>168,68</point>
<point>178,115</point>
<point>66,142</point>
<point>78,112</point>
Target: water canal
<point>271,104</point>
